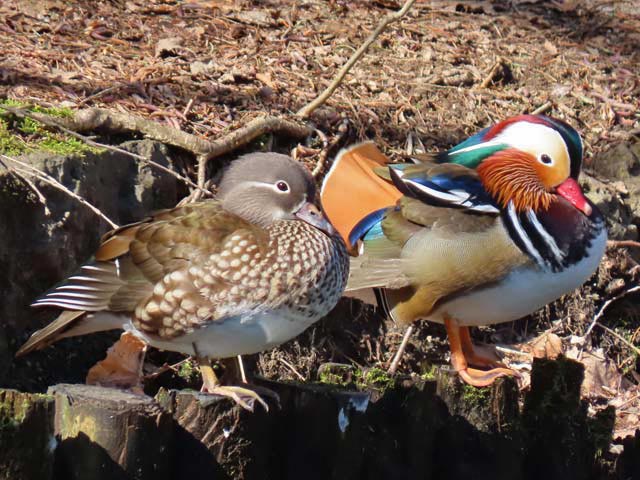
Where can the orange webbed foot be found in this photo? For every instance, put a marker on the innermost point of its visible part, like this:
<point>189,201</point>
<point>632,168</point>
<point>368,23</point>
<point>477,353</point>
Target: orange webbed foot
<point>246,396</point>
<point>463,354</point>
<point>473,357</point>
<point>484,378</point>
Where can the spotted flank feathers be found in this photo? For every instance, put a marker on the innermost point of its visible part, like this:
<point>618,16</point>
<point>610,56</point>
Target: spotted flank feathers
<point>235,275</point>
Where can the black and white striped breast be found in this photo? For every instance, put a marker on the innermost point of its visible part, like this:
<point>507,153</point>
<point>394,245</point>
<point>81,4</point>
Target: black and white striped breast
<point>556,238</point>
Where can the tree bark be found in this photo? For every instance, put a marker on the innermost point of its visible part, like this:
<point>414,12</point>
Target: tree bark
<point>410,429</point>
<point>26,435</point>
<point>108,434</point>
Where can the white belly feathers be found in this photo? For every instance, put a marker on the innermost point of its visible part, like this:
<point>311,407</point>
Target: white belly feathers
<point>520,293</point>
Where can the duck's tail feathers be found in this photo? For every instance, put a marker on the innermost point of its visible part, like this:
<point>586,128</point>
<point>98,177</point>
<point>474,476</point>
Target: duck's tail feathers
<point>71,323</point>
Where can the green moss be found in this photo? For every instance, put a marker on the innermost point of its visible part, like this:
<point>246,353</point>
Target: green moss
<point>475,395</point>
<point>338,374</point>
<point>53,111</point>
<point>188,370</point>
<point>15,406</point>
<point>19,136</point>
<point>378,378</point>
<point>66,146</point>
<point>9,143</point>
<point>331,378</point>
<point>163,397</point>
<point>429,374</point>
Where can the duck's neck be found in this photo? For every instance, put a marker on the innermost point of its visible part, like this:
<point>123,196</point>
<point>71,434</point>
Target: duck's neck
<point>557,237</point>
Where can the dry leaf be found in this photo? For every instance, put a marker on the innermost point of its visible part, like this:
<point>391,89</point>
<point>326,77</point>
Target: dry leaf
<point>601,376</point>
<point>550,47</point>
<point>122,367</point>
<point>197,67</point>
<point>266,79</point>
<point>168,46</point>
<point>547,345</point>
<point>259,18</point>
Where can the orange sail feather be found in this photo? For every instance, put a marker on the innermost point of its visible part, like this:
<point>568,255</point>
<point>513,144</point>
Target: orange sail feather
<point>352,190</point>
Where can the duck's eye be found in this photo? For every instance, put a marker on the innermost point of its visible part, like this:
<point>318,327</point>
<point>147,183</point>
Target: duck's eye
<point>546,159</point>
<point>282,186</point>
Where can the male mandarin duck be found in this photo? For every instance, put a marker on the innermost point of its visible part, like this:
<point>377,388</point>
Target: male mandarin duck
<point>219,278</point>
<point>484,233</point>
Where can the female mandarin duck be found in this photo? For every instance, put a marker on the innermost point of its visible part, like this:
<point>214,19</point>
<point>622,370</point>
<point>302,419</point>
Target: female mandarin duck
<point>484,233</point>
<point>219,278</point>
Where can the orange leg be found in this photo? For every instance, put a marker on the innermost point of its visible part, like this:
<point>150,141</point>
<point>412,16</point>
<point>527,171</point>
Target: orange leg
<point>472,356</point>
<point>460,344</point>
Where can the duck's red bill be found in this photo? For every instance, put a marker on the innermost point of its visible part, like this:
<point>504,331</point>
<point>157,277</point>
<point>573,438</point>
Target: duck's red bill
<point>571,191</point>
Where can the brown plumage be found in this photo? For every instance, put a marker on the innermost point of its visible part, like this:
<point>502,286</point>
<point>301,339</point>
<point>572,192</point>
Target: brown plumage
<point>216,278</point>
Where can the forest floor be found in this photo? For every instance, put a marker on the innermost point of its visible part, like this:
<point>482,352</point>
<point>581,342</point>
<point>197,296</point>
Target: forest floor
<point>443,72</point>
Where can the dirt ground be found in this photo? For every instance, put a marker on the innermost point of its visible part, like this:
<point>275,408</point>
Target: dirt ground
<point>444,71</point>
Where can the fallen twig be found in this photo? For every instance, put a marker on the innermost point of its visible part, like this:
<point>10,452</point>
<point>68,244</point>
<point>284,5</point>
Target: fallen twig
<point>34,172</point>
<point>623,243</point>
<point>492,73</point>
<point>293,369</point>
<point>605,305</point>
<point>327,147</point>
<point>19,175</point>
<point>635,349</point>
<point>323,153</point>
<point>398,356</point>
<point>308,109</point>
<point>542,108</point>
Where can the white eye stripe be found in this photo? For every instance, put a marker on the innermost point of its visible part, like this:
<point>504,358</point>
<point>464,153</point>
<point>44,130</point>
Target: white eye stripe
<point>272,186</point>
<point>534,137</point>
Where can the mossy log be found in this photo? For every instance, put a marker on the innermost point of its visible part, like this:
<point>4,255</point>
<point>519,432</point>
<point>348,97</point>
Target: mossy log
<point>408,430</point>
<point>27,442</point>
<point>109,434</point>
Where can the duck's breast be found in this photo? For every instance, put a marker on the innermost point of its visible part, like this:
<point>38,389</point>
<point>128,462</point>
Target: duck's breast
<point>521,292</point>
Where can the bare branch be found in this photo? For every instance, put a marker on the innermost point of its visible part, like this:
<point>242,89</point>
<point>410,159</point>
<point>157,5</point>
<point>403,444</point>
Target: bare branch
<point>20,174</point>
<point>55,122</point>
<point>34,172</point>
<point>202,170</point>
<point>97,118</point>
<point>604,307</point>
<point>623,243</point>
<point>308,109</point>
<point>252,130</point>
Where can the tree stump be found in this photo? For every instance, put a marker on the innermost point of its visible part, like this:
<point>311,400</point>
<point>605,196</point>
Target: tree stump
<point>408,429</point>
<point>27,442</point>
<point>110,434</point>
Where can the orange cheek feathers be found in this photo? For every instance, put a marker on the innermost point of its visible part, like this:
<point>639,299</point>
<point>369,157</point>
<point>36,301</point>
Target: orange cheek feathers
<point>550,176</point>
<point>510,176</point>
